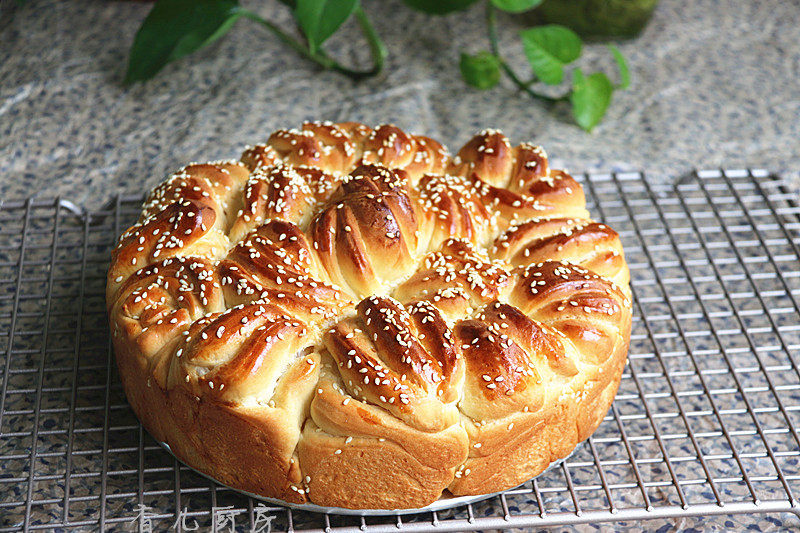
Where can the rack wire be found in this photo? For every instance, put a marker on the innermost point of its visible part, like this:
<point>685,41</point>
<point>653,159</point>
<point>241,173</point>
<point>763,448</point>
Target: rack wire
<point>705,422</point>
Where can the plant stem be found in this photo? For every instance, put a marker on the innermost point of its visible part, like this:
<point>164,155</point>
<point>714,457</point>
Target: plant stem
<point>283,36</point>
<point>377,48</point>
<point>491,26</point>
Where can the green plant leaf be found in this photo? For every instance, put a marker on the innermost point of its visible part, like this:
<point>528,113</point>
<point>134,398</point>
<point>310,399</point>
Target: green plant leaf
<point>481,70</point>
<point>516,6</point>
<point>439,7</point>
<point>622,65</point>
<point>591,96</point>
<point>319,19</point>
<point>548,48</point>
<point>175,28</point>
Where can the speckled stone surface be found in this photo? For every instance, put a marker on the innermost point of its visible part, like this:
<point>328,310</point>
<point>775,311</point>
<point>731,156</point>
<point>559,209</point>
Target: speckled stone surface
<point>714,84</point>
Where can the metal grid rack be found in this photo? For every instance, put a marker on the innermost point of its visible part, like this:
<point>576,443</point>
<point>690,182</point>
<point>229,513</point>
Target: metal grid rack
<point>705,421</point>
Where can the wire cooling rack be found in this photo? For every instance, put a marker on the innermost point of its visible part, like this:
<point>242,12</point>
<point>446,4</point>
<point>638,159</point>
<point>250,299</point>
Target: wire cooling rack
<point>705,421</point>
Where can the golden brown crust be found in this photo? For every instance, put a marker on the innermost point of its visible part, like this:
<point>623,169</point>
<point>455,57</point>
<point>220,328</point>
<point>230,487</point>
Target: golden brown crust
<point>350,317</point>
<point>274,264</point>
<point>403,467</point>
<point>248,449</point>
<point>338,148</point>
<point>404,360</point>
<point>527,413</point>
<point>368,237</point>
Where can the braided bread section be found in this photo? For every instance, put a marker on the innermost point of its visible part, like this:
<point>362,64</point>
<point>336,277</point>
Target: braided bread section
<point>282,192</point>
<point>456,279</point>
<point>518,182</point>
<point>589,244</point>
<point>451,206</point>
<point>340,148</point>
<point>158,302</point>
<point>542,214</point>
<point>541,372</point>
<point>370,235</point>
<point>186,215</point>
<point>274,264</point>
<point>385,413</point>
<point>217,185</point>
<point>350,317</point>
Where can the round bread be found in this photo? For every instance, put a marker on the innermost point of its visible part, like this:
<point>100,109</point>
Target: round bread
<point>352,317</point>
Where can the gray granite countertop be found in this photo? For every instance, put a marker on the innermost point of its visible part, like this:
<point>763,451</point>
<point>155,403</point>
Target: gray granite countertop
<point>714,84</point>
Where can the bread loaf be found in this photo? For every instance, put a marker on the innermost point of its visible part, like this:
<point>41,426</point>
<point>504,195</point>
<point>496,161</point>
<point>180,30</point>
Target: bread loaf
<point>353,317</point>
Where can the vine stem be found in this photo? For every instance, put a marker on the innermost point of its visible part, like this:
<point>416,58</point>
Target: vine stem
<point>377,48</point>
<point>491,26</point>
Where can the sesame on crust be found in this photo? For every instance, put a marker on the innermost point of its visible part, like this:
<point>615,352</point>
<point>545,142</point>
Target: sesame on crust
<point>353,317</point>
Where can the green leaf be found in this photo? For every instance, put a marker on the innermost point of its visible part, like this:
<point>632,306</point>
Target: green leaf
<point>516,6</point>
<point>320,19</point>
<point>439,7</point>
<point>548,48</point>
<point>622,65</point>
<point>481,70</point>
<point>175,28</point>
<point>591,96</point>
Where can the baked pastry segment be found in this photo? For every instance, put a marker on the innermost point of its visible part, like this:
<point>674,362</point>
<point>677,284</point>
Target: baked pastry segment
<point>386,414</point>
<point>517,182</point>
<point>351,317</point>
<point>457,279</point>
<point>590,310</point>
<point>282,192</point>
<point>542,370</point>
<point>358,455</point>
<point>583,242</point>
<point>451,206</point>
<point>160,301</point>
<point>188,214</point>
<point>338,148</point>
<point>275,264</point>
<point>401,359</point>
<point>368,236</point>
<point>217,185</point>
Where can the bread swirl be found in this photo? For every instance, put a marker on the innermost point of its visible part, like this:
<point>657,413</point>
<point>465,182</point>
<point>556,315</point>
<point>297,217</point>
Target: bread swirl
<point>352,317</point>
